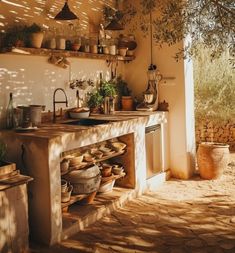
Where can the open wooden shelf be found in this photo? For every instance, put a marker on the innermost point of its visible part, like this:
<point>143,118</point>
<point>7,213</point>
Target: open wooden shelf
<point>103,158</point>
<point>80,197</point>
<point>73,199</point>
<point>66,53</point>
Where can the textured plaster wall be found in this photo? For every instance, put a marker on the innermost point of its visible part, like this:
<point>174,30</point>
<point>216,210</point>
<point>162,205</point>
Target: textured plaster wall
<point>35,79</point>
<point>31,78</point>
<point>174,92</point>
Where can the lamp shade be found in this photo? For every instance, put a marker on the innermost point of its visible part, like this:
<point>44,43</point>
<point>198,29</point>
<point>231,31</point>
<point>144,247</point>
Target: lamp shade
<point>65,13</point>
<point>114,26</point>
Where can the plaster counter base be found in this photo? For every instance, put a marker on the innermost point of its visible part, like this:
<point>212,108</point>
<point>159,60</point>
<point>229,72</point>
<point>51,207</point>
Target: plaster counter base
<point>41,154</point>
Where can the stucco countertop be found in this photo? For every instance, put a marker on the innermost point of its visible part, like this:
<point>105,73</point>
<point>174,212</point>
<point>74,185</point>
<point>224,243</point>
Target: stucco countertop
<point>119,120</point>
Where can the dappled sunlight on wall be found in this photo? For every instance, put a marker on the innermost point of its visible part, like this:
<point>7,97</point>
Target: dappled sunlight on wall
<point>33,81</point>
<point>43,12</point>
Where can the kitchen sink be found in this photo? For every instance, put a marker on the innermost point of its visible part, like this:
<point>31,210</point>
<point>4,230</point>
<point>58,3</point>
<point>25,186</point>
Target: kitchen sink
<point>87,122</point>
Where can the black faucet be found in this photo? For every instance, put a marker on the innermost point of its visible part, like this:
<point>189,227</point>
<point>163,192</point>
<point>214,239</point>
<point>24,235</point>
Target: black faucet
<point>58,102</point>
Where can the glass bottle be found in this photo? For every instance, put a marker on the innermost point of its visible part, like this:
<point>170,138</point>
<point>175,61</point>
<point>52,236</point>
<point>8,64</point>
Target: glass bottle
<point>10,113</point>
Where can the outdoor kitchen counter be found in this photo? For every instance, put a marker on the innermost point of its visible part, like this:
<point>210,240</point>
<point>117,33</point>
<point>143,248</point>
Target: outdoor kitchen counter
<point>38,154</point>
<point>119,121</point>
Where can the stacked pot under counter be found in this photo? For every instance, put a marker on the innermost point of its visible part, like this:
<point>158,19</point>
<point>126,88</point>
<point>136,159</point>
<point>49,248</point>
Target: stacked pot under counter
<point>90,170</point>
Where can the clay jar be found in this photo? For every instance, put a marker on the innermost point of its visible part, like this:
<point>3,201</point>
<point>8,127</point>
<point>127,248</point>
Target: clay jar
<point>36,39</point>
<point>122,51</point>
<point>212,159</point>
<point>106,170</point>
<point>127,103</point>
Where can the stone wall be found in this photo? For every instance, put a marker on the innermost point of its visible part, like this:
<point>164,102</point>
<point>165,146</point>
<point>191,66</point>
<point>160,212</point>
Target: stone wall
<point>222,132</point>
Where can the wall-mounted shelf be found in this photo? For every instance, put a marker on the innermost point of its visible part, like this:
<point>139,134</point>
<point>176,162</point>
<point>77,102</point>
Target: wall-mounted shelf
<point>65,53</point>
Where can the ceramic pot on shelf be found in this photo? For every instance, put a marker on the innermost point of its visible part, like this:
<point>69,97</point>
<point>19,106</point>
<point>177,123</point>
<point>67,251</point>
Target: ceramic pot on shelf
<point>127,103</point>
<point>36,39</point>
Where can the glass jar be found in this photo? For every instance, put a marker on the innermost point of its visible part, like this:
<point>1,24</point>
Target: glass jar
<point>60,40</point>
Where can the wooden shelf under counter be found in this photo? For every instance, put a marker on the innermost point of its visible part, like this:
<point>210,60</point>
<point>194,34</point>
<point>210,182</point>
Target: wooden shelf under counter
<point>103,158</point>
<point>80,197</point>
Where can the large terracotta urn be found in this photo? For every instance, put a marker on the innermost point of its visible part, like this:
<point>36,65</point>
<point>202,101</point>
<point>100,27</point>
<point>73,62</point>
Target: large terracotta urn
<point>212,159</point>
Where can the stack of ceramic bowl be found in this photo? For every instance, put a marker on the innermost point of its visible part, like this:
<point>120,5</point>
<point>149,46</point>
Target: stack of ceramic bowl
<point>105,150</point>
<point>75,160</point>
<point>96,153</point>
<point>88,157</point>
<point>64,165</point>
<point>66,190</point>
<point>117,169</point>
<point>118,146</point>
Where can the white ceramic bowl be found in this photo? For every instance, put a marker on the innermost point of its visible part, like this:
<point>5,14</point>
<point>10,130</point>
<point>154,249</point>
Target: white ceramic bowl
<point>118,146</point>
<point>79,115</point>
<point>117,170</point>
<point>106,187</point>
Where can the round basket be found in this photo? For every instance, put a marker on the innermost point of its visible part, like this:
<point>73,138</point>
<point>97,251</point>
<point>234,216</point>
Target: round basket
<point>212,159</point>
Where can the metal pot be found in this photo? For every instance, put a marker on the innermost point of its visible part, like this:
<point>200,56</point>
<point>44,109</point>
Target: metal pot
<point>86,185</point>
<point>76,175</point>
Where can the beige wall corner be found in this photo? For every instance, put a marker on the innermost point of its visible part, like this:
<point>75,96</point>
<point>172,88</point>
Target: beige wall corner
<point>177,90</point>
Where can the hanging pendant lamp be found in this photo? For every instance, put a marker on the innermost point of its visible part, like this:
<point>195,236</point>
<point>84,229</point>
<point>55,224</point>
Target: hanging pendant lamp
<point>114,25</point>
<point>65,13</point>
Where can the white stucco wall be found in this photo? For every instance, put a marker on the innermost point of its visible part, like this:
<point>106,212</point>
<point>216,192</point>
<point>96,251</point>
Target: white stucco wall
<point>33,80</point>
<point>178,92</point>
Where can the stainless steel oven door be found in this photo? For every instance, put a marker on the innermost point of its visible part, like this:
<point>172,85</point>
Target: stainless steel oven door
<point>153,150</point>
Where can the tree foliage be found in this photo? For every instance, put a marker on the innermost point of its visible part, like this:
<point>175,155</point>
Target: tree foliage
<point>214,87</point>
<point>211,22</point>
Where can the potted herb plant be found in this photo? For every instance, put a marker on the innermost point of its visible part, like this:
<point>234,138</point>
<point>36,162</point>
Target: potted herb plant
<point>108,90</point>
<point>15,36</point>
<point>95,101</point>
<point>35,35</point>
<point>124,93</point>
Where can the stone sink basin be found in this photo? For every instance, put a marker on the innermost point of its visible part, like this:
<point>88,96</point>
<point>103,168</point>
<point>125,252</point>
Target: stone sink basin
<point>87,122</point>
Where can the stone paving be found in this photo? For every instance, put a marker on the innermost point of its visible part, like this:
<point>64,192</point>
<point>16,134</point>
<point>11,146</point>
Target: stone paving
<point>193,216</point>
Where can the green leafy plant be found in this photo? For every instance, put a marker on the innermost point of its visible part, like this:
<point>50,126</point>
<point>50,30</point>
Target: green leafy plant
<point>95,99</point>
<point>108,89</point>
<point>15,36</point>
<point>210,22</point>
<point>122,87</point>
<point>34,28</point>
<point>214,87</point>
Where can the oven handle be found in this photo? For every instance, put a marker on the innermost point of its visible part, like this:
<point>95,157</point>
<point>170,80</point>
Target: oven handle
<point>152,129</point>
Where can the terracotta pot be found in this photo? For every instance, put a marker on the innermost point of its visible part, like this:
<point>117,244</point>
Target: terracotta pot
<point>97,110</point>
<point>212,159</point>
<point>36,39</point>
<point>127,103</point>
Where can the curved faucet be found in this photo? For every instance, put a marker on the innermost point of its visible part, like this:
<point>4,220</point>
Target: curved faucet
<point>58,102</point>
